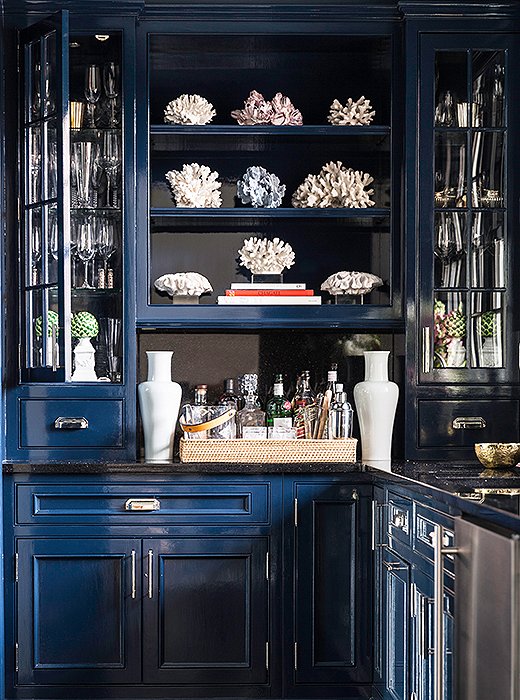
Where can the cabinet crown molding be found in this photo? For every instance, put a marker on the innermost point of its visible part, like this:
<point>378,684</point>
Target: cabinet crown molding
<point>87,7</point>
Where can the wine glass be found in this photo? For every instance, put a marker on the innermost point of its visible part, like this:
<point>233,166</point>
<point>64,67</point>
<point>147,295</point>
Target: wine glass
<point>111,83</point>
<point>92,91</point>
<point>85,247</point>
<point>96,174</point>
<point>112,164</point>
<point>36,245</point>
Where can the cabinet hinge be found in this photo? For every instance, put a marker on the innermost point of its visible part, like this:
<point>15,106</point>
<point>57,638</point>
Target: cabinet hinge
<point>295,512</point>
<point>267,566</point>
<point>16,567</point>
<point>267,656</point>
<point>355,495</point>
<point>295,656</point>
<point>413,600</point>
<point>16,664</point>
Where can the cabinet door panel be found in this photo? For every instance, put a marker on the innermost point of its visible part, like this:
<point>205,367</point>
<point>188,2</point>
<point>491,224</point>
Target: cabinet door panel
<point>208,611</point>
<point>329,555</point>
<point>77,619</point>
<point>397,612</point>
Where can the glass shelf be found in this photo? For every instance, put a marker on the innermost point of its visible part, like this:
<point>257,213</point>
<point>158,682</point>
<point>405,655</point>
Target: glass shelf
<point>259,130</point>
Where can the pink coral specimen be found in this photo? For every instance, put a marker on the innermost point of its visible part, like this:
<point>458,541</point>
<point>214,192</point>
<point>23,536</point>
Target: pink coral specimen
<point>284,112</point>
<point>257,110</point>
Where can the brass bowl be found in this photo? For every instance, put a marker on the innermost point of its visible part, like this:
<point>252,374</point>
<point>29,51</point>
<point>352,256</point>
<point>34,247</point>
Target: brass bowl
<point>498,454</point>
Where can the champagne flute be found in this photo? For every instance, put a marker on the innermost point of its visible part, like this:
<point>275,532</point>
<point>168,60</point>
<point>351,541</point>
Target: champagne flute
<point>112,163</point>
<point>111,83</point>
<point>85,247</point>
<point>92,92</point>
<point>105,242</point>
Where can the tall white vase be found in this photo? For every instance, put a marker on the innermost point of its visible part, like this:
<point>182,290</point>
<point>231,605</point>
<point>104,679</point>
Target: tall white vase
<point>376,401</point>
<point>159,401</point>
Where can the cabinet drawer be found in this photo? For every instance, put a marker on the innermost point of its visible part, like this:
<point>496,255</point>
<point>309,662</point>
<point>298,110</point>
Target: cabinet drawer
<point>399,519</point>
<point>182,504</point>
<point>96,423</point>
<point>438,422</point>
<point>425,522</point>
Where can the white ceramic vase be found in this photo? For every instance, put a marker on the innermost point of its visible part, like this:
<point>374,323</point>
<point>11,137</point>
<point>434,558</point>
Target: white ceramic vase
<point>84,361</point>
<point>159,402</point>
<point>376,401</point>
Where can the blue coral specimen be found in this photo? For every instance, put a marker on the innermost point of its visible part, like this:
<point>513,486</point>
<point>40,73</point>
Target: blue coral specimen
<point>260,188</point>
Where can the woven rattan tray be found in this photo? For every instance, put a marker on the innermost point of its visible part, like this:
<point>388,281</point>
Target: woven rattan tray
<point>258,451</point>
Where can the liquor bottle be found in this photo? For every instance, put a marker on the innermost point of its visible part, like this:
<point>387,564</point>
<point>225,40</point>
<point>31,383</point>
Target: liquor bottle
<point>197,412</point>
<point>330,385</point>
<point>279,411</point>
<point>229,398</point>
<point>303,397</point>
<point>251,418</point>
<point>340,416</point>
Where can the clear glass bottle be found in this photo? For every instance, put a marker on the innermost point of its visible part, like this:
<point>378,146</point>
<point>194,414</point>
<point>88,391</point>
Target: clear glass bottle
<point>197,412</point>
<point>340,416</point>
<point>329,385</point>
<point>230,399</point>
<point>279,411</point>
<point>303,397</point>
<point>251,418</point>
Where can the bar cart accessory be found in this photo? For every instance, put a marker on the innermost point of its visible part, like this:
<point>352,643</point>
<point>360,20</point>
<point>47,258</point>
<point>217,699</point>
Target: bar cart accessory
<point>84,326</point>
<point>335,186</point>
<point>77,111</point>
<point>260,188</point>
<point>184,287</point>
<point>189,109</point>
<point>357,113</point>
<point>354,284</point>
<point>195,186</point>
<point>159,403</point>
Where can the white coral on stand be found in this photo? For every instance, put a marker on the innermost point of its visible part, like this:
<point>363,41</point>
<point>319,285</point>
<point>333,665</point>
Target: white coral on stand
<point>335,186</point>
<point>189,109</point>
<point>353,283</point>
<point>262,256</point>
<point>354,113</point>
<point>195,186</point>
<point>191,284</point>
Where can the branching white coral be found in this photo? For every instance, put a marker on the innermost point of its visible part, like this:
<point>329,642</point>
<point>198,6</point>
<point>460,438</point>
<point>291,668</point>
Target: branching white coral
<point>195,186</point>
<point>263,256</point>
<point>260,188</point>
<point>355,283</point>
<point>189,109</point>
<point>359,112</point>
<point>335,186</point>
<point>191,284</point>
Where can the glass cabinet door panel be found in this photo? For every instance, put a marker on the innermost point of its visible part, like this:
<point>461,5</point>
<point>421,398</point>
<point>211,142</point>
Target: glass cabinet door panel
<point>33,82</point>
<point>449,344</point>
<point>488,250</point>
<point>33,247</point>
<point>450,249</point>
<point>487,169</point>
<point>488,71</point>
<point>487,329</point>
<point>49,75</point>
<point>50,172</point>
<point>450,169</point>
<point>451,87</point>
<point>33,161</point>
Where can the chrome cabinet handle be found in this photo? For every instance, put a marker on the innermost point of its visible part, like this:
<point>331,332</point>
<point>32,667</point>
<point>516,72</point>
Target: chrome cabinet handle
<point>67,423</point>
<point>393,566</point>
<point>426,345</point>
<point>150,573</point>
<point>440,550</point>
<point>134,574</point>
<point>468,423</point>
<point>142,504</point>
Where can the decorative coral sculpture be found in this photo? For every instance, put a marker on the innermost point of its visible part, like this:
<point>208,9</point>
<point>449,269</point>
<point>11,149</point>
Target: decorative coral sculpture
<point>260,188</point>
<point>335,186</point>
<point>263,257</point>
<point>257,110</point>
<point>356,113</point>
<point>352,283</point>
<point>189,109</point>
<point>195,186</point>
<point>187,284</point>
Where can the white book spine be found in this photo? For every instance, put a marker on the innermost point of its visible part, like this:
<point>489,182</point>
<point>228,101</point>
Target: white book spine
<point>268,301</point>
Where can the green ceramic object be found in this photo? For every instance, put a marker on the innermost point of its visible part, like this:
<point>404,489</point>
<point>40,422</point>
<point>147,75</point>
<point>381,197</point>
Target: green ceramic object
<point>84,325</point>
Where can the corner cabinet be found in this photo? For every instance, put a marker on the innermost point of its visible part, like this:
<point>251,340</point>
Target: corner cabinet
<point>223,59</point>
<point>76,211</point>
<point>466,335</point>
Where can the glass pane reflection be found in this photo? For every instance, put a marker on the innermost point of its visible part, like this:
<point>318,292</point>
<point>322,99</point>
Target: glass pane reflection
<point>488,88</point>
<point>488,250</point>
<point>450,170</point>
<point>450,249</point>
<point>449,321</point>
<point>487,329</point>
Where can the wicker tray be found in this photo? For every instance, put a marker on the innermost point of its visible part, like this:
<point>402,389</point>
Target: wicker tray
<point>258,451</point>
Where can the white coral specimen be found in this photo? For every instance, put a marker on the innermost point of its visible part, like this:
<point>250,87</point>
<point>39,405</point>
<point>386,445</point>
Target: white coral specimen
<point>257,110</point>
<point>359,112</point>
<point>356,283</point>
<point>191,284</point>
<point>335,186</point>
<point>195,186</point>
<point>263,256</point>
<point>260,188</point>
<point>189,109</point>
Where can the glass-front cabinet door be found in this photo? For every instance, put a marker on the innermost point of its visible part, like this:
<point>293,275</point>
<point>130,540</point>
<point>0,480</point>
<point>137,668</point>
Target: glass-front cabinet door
<point>466,206</point>
<point>72,222</point>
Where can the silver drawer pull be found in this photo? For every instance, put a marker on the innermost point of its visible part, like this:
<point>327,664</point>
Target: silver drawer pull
<point>394,566</point>
<point>468,422</point>
<point>62,423</point>
<point>144,504</point>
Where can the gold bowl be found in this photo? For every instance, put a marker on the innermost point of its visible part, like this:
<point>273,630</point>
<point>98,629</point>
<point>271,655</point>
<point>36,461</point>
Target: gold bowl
<point>498,454</point>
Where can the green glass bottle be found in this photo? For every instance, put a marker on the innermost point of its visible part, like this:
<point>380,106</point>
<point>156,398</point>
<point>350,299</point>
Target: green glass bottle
<point>279,410</point>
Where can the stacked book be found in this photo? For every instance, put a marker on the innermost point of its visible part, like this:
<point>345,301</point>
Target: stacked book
<point>249,294</point>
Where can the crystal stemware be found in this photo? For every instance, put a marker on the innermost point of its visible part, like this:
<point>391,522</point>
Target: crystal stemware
<point>36,247</point>
<point>105,242</point>
<point>81,163</point>
<point>92,91</point>
<point>112,164</point>
<point>85,247</point>
<point>111,85</point>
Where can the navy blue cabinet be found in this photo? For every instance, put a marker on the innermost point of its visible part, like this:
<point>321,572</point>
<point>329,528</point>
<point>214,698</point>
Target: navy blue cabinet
<point>78,611</point>
<point>396,612</point>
